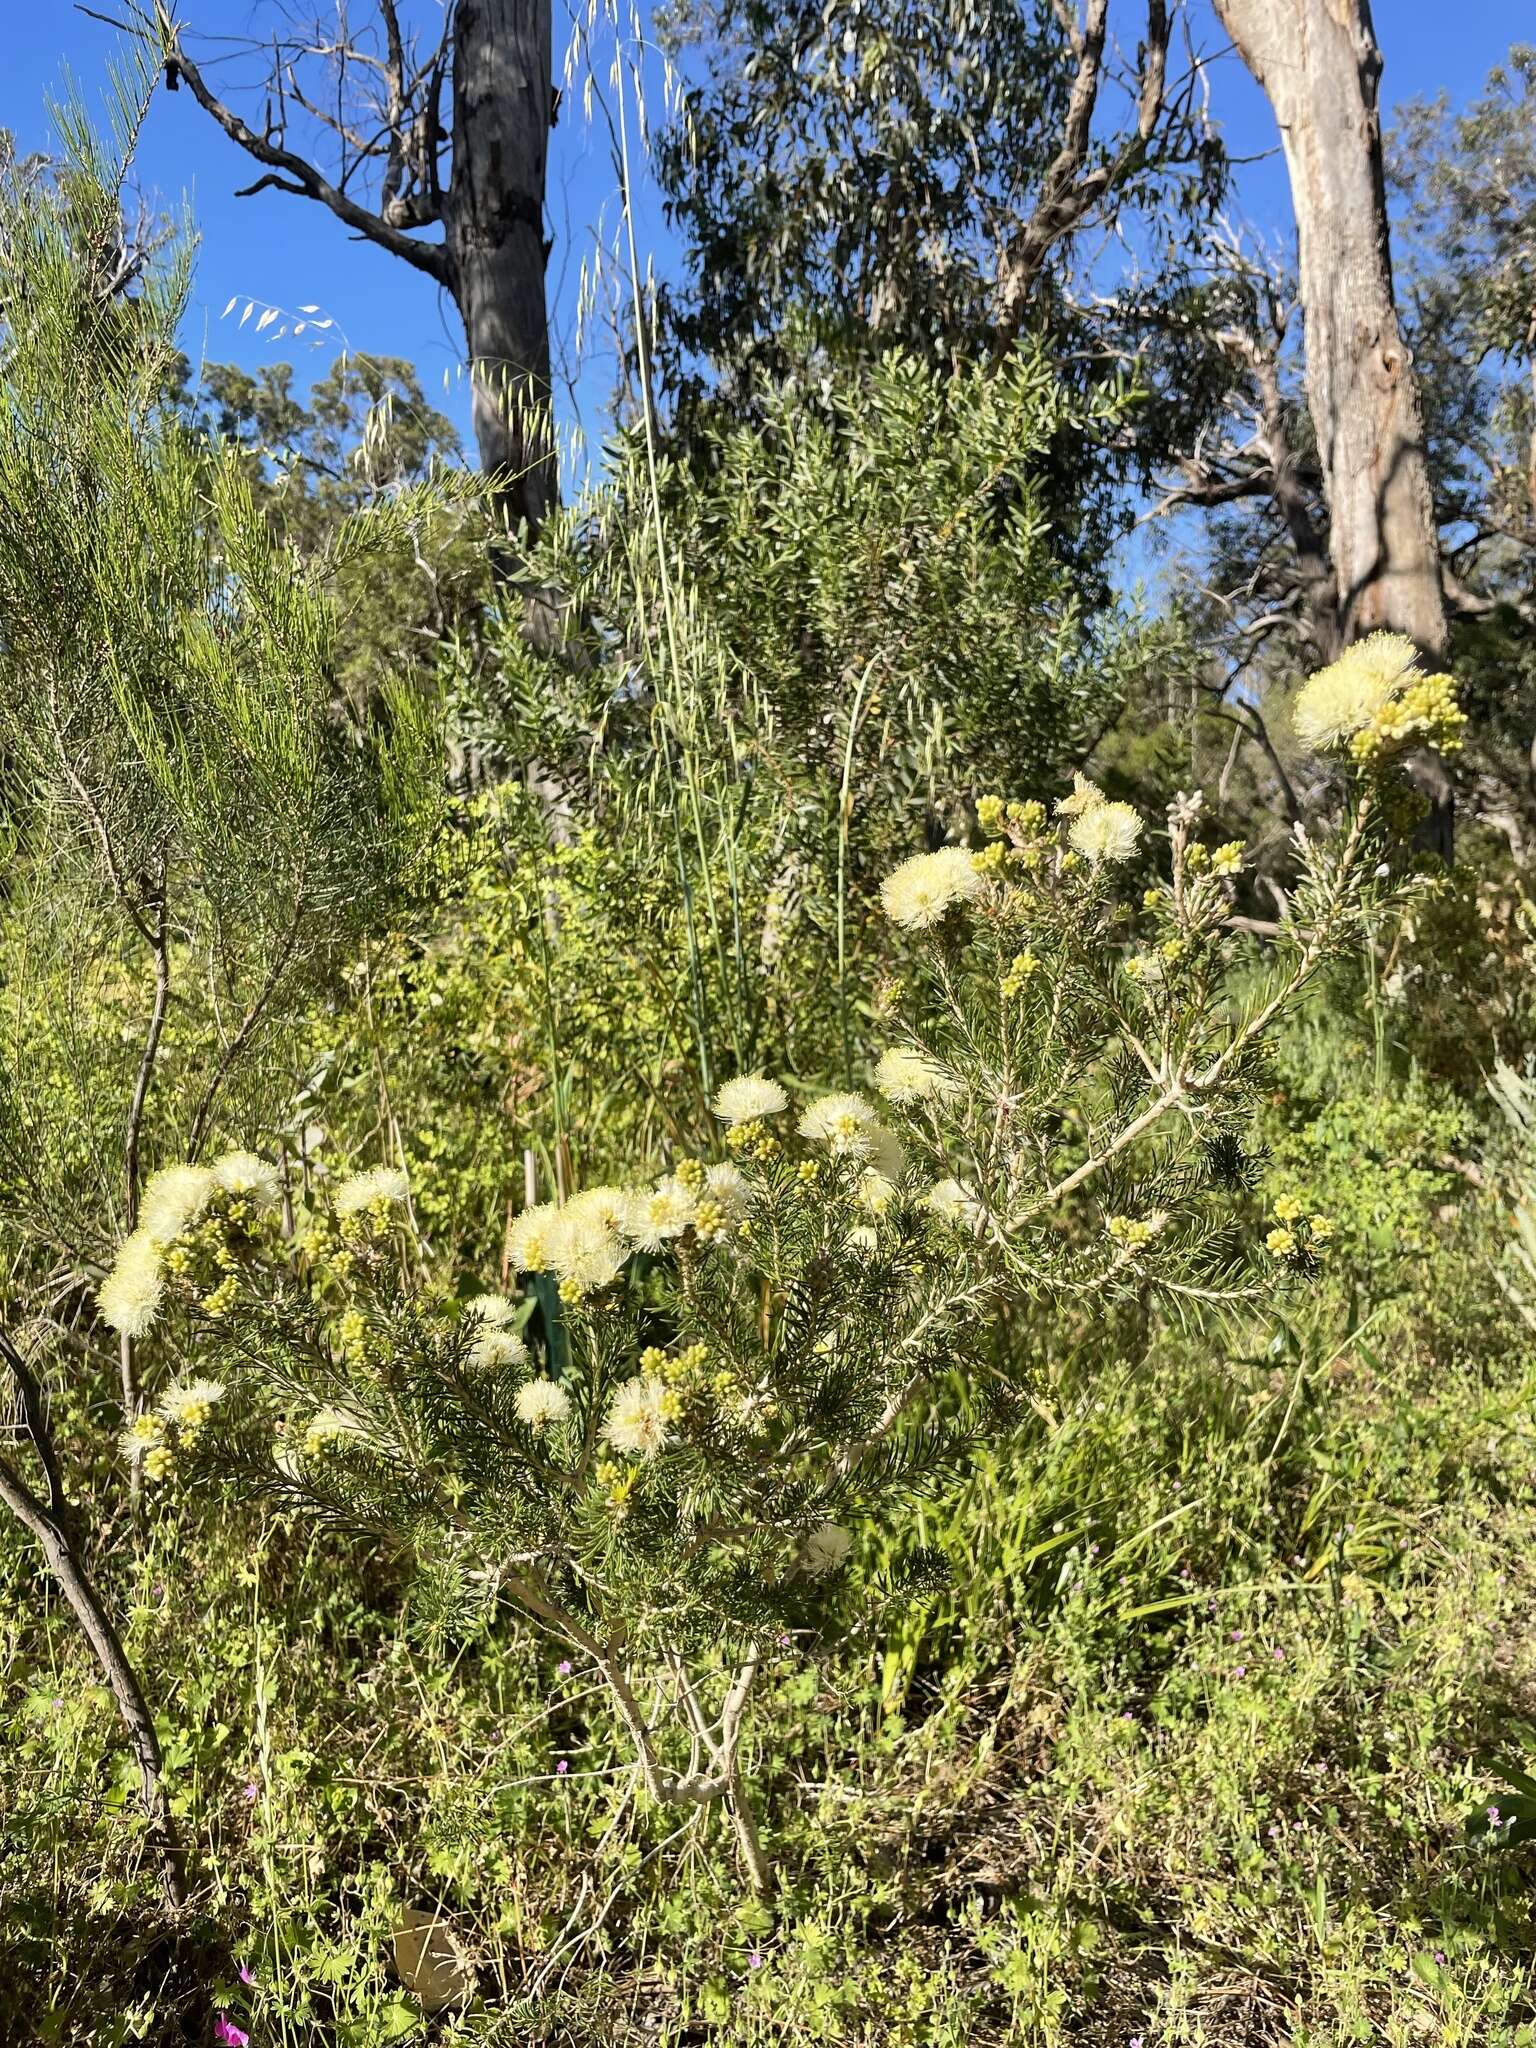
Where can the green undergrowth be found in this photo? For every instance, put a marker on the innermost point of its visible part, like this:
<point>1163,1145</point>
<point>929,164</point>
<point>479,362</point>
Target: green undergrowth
<point>1181,1746</point>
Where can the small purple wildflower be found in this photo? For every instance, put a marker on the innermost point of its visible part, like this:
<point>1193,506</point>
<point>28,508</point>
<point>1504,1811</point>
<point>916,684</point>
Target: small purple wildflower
<point>1440,1956</point>
<point>562,1767</point>
<point>563,1668</point>
<point>249,1793</point>
<point>228,2035</point>
<point>1239,1670</point>
<point>247,1975</point>
<point>755,1960</point>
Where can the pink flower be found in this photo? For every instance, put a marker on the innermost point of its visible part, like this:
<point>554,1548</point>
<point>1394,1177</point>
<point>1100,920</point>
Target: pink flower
<point>246,1976</point>
<point>249,1793</point>
<point>563,1668</point>
<point>755,1960</point>
<point>562,1767</point>
<point>228,2035</point>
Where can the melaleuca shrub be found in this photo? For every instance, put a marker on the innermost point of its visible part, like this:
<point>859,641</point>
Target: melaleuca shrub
<point>774,1341</point>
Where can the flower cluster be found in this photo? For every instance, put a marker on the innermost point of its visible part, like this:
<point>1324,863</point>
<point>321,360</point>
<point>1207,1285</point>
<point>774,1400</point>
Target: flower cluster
<point>1297,1238</point>
<point>906,1076</point>
<point>373,1192</point>
<point>1375,701</point>
<point>923,890</point>
<point>586,1241</point>
<point>177,1420</point>
<point>239,1188</point>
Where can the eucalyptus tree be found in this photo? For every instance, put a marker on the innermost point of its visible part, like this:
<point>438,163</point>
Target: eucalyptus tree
<point>396,128</point>
<point>914,176</point>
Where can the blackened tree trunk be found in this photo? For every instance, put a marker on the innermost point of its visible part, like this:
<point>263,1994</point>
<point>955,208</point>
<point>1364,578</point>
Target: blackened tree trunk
<point>495,58</point>
<point>494,235</point>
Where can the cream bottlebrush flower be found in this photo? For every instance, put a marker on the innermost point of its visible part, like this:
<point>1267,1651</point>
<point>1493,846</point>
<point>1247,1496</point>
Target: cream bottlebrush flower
<point>876,1190</point>
<point>826,1550</point>
<point>492,1309</point>
<point>173,1200</point>
<point>190,1402</point>
<point>249,1175</point>
<point>637,1419</point>
<point>130,1296</point>
<point>583,1250</point>
<point>541,1403</point>
<point>844,1123</point>
<point>653,1215</point>
<point>919,893</point>
<point>141,1435</point>
<point>1107,832</point>
<point>726,1186</point>
<point>496,1346</point>
<point>604,1206</point>
<point>955,1204</point>
<point>908,1076</point>
<point>373,1184</point>
<point>1340,700</point>
<point>530,1242</point>
<point>1086,796</point>
<point>748,1096</point>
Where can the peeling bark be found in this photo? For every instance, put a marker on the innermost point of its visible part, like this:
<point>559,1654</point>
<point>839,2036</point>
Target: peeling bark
<point>1319,64</point>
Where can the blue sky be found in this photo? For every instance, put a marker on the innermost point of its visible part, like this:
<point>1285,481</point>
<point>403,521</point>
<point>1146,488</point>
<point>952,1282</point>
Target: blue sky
<point>287,252</point>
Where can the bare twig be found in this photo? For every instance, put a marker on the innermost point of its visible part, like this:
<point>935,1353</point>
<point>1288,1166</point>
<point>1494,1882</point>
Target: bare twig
<point>49,1522</point>
<point>298,175</point>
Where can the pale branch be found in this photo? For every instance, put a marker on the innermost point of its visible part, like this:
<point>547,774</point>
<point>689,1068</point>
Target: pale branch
<point>1471,604</point>
<point>1069,191</point>
<point>1256,728</point>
